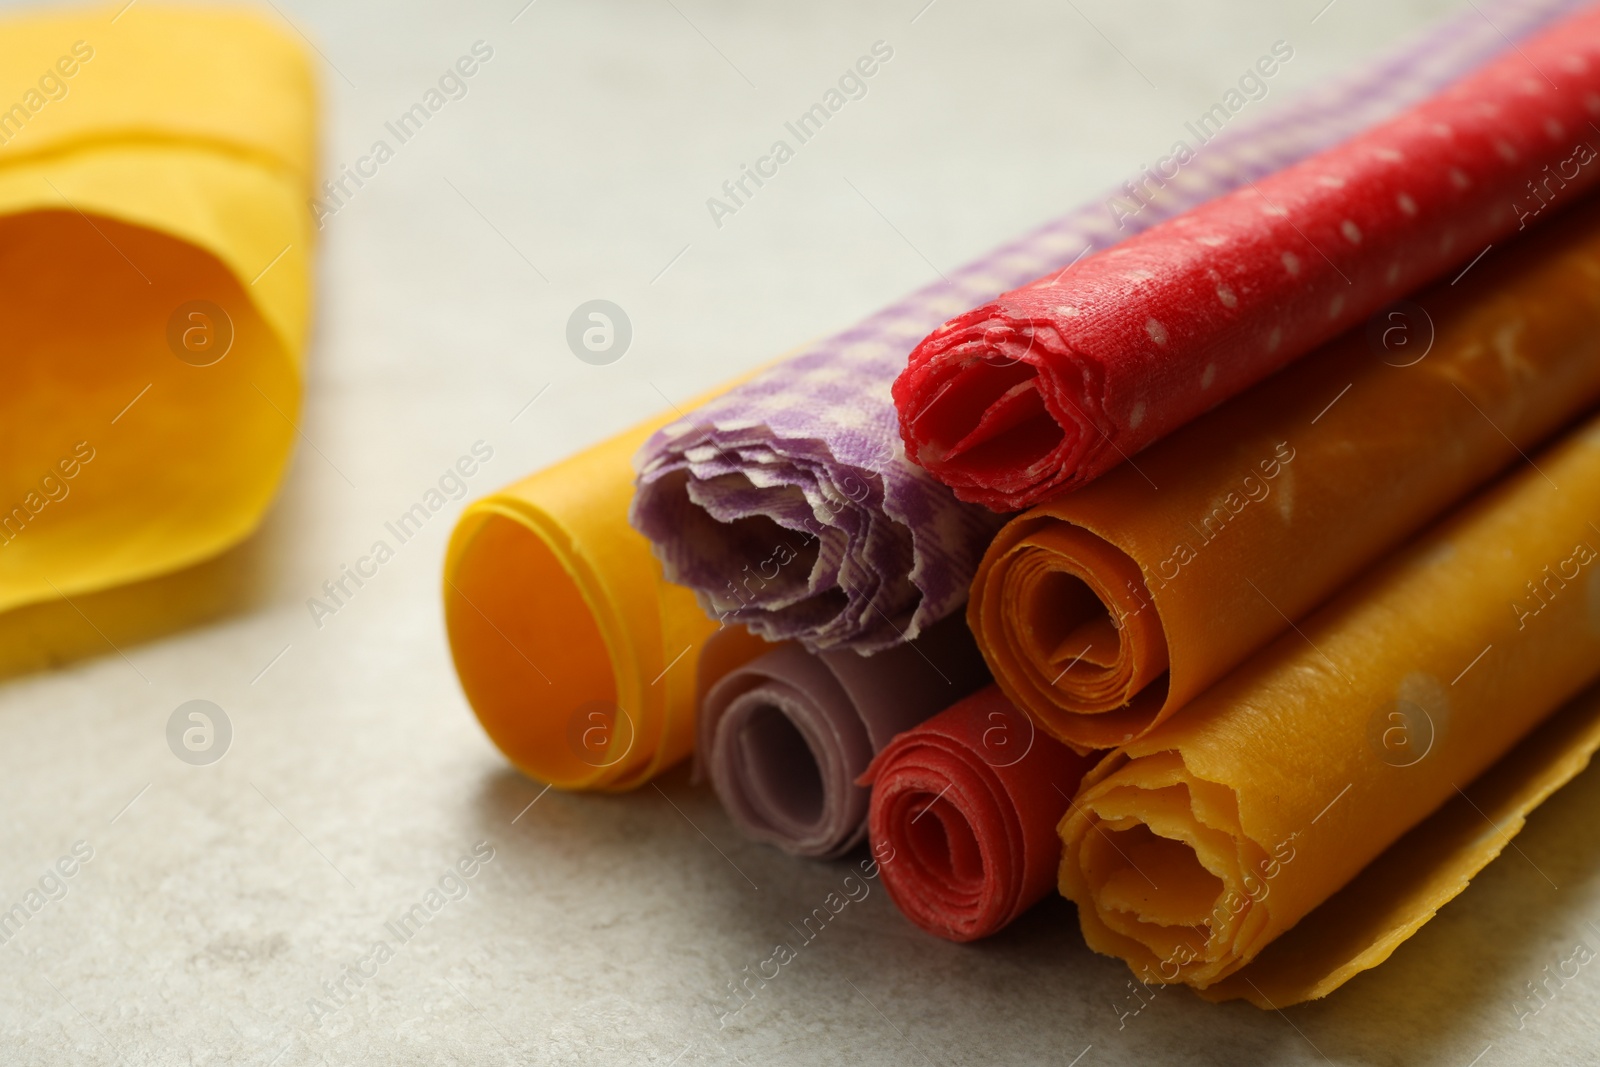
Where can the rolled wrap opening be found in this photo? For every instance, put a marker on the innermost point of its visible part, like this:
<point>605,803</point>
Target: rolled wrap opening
<point>964,813</point>
<point>785,735</point>
<point>124,455</point>
<point>783,779</point>
<point>784,742</point>
<point>957,870</point>
<point>709,543</point>
<point>988,418</point>
<point>1162,873</point>
<point>1071,633</point>
<point>530,655</point>
<point>942,843</point>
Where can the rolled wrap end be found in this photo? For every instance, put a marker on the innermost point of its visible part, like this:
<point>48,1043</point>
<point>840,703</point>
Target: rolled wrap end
<point>967,805</point>
<point>1070,631</point>
<point>784,737</point>
<point>577,658</point>
<point>1162,873</point>
<point>989,406</point>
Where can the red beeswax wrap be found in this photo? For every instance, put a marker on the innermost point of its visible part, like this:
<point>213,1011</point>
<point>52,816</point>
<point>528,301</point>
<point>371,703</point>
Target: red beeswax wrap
<point>968,803</point>
<point>1053,384</point>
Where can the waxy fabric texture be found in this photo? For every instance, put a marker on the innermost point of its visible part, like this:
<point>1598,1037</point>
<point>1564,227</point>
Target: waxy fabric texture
<point>1056,382</point>
<point>785,736</point>
<point>155,255</point>
<point>967,803</point>
<point>1282,782</point>
<point>1104,611</point>
<point>789,504</point>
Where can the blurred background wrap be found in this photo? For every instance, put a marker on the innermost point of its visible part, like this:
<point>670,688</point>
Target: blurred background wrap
<point>155,250</point>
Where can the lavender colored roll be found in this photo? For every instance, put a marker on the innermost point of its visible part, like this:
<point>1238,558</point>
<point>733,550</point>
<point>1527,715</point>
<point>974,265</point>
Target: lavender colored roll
<point>784,736</point>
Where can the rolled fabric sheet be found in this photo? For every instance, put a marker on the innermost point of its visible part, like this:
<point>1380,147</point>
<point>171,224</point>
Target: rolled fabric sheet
<point>155,251</point>
<point>1104,611</point>
<point>967,804</point>
<point>1058,381</point>
<point>789,504</point>
<point>1395,895</point>
<point>785,735</point>
<point>1194,848</point>
<point>575,654</point>
<point>550,563</point>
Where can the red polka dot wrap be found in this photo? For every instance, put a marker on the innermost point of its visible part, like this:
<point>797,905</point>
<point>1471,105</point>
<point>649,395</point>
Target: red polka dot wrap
<point>964,812</point>
<point>1052,384</point>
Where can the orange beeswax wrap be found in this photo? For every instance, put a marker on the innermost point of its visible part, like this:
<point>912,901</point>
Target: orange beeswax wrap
<point>155,247</point>
<point>576,654</point>
<point>1104,611</point>
<point>1190,850</point>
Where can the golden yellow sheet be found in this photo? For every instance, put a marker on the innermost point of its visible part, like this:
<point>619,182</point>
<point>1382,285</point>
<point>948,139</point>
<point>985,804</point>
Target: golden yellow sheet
<point>577,656</point>
<point>1106,610</point>
<point>1195,847</point>
<point>155,247</point>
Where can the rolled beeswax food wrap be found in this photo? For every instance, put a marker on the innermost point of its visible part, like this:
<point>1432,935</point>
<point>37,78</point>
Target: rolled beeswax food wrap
<point>1105,610</point>
<point>789,504</point>
<point>1192,849</point>
<point>967,804</point>
<point>155,246</point>
<point>547,570</point>
<point>1056,382</point>
<point>1359,926</point>
<point>577,657</point>
<point>784,736</point>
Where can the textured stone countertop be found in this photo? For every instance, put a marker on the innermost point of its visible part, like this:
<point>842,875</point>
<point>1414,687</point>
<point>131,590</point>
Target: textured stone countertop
<point>219,899</point>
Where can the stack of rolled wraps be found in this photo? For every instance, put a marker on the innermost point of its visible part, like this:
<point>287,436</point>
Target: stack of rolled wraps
<point>1106,610</point>
<point>1192,849</point>
<point>1268,752</point>
<point>577,651</point>
<point>789,506</point>
<point>730,494</point>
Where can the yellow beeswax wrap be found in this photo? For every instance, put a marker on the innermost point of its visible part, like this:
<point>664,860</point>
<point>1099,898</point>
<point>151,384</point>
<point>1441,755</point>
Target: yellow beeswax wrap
<point>155,249</point>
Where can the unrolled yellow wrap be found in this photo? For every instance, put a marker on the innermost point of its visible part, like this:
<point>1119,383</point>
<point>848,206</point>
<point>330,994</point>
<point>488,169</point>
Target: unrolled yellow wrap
<point>155,244</point>
<point>1192,849</point>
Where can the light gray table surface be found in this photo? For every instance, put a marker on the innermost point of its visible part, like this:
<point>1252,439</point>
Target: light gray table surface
<point>219,899</point>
